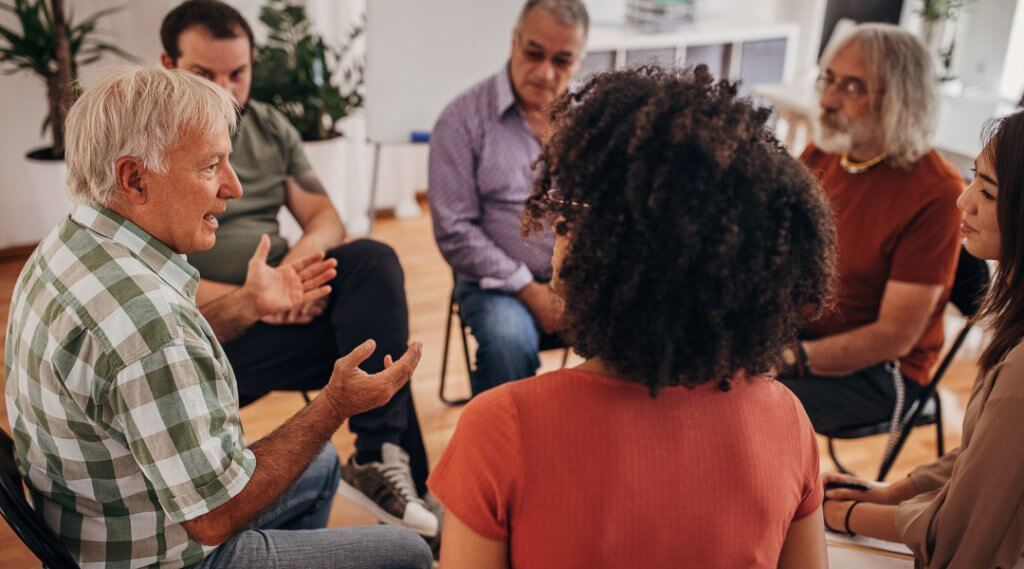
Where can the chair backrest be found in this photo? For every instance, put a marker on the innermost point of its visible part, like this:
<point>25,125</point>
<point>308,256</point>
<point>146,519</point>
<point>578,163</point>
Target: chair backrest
<point>972,278</point>
<point>24,520</point>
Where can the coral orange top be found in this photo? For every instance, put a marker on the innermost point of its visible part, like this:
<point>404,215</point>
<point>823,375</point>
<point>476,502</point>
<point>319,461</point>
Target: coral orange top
<point>892,224</point>
<point>576,469</point>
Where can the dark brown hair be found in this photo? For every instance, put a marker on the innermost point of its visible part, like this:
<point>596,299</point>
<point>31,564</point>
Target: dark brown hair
<point>698,244</point>
<point>1003,307</point>
<point>221,20</point>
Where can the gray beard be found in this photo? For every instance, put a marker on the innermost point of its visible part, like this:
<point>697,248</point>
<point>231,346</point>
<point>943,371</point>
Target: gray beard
<point>832,141</point>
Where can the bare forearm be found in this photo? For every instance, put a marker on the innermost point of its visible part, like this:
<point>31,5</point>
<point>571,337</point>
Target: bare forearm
<point>854,350</point>
<point>903,489</point>
<point>231,314</point>
<point>875,520</point>
<point>209,291</point>
<point>281,457</point>
<point>321,234</point>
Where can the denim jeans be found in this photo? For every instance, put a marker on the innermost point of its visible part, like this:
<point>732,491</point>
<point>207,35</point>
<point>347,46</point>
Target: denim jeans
<point>293,533</point>
<point>507,336</point>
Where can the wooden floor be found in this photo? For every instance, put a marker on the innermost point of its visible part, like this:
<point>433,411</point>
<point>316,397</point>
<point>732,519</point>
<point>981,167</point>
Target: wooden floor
<point>428,283</point>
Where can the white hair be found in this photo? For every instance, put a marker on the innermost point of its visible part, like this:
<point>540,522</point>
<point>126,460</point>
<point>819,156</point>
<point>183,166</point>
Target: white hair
<point>900,68</point>
<point>568,12</point>
<point>137,112</point>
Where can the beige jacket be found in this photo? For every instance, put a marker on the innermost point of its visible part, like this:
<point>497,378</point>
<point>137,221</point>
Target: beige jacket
<point>970,512</point>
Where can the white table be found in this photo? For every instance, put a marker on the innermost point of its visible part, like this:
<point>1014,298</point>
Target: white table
<point>866,553</point>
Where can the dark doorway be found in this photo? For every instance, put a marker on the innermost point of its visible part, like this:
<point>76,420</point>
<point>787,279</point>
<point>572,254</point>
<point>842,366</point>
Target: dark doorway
<point>859,11</point>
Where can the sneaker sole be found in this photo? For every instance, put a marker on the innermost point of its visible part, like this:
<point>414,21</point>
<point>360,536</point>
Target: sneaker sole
<point>352,494</point>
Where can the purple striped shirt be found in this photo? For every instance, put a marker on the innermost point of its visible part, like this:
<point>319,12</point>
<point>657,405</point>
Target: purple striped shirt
<point>481,150</point>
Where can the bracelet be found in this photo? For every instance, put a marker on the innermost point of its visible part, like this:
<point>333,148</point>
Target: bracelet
<point>801,356</point>
<point>846,522</point>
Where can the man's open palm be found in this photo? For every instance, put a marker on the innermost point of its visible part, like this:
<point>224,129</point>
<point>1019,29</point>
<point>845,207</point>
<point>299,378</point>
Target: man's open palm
<point>277,290</point>
<point>353,391</point>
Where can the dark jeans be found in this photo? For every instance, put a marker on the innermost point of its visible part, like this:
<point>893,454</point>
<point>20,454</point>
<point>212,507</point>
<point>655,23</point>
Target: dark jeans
<point>292,533</point>
<point>863,398</point>
<point>367,301</point>
<point>507,336</point>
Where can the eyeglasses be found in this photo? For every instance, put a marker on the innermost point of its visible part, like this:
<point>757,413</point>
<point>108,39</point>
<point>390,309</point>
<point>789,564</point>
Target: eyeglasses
<point>850,87</point>
<point>559,199</point>
<point>536,54</point>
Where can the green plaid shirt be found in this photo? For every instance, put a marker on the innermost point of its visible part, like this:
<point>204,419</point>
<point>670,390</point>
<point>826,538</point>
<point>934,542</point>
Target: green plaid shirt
<point>122,402</point>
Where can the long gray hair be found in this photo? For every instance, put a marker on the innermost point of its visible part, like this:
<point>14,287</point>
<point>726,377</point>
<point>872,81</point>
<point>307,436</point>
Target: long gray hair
<point>900,71</point>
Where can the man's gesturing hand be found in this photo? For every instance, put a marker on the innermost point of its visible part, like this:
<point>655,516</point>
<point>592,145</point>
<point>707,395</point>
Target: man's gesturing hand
<point>353,391</point>
<point>547,308</point>
<point>276,290</point>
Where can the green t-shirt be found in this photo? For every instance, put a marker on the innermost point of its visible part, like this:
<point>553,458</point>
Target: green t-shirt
<point>266,149</point>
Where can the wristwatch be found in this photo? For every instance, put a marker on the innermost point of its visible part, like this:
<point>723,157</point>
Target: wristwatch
<point>795,359</point>
<point>790,357</point>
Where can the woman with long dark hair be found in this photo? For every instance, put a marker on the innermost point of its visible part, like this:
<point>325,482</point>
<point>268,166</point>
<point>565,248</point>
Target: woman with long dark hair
<point>966,510</point>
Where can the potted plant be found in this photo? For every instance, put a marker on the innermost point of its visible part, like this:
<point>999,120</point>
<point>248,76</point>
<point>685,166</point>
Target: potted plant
<point>54,47</point>
<point>939,18</point>
<point>318,88</point>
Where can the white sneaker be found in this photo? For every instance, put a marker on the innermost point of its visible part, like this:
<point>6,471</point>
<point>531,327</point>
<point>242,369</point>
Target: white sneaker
<point>387,491</point>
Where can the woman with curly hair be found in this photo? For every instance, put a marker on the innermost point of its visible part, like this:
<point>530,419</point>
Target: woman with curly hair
<point>966,510</point>
<point>689,247</point>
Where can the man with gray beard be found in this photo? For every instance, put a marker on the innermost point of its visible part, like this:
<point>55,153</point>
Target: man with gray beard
<point>897,228</point>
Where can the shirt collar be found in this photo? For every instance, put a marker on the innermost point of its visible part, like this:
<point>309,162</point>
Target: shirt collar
<point>506,97</point>
<point>170,266</point>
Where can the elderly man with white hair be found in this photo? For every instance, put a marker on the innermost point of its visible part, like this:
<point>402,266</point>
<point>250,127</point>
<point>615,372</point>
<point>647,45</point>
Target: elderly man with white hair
<point>123,404</point>
<point>897,227</point>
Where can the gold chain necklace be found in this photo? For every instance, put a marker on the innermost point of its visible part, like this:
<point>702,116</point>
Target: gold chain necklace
<point>860,167</point>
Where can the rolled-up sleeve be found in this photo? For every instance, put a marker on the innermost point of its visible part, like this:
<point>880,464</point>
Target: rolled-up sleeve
<point>181,425</point>
<point>933,476</point>
<point>455,209</point>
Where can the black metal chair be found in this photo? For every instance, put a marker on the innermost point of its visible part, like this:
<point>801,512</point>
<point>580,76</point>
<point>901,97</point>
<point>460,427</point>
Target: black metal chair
<point>453,312</point>
<point>24,520</point>
<point>972,277</point>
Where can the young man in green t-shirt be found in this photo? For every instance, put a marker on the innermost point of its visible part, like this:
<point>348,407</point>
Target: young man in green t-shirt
<point>296,350</point>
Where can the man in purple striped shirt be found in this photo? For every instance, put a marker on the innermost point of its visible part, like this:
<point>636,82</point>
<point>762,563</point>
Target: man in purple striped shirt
<point>481,152</point>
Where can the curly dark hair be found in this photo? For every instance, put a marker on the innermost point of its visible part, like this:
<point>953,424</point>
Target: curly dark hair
<point>697,243</point>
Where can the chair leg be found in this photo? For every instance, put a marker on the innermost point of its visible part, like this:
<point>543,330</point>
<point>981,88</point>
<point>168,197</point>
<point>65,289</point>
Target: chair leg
<point>465,347</point>
<point>940,440</point>
<point>835,459</point>
<point>444,350</point>
<point>452,309</point>
<point>305,395</point>
<point>565,356</point>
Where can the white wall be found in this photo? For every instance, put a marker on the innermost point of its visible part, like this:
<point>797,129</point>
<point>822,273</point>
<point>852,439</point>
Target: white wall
<point>1012,84</point>
<point>985,42</point>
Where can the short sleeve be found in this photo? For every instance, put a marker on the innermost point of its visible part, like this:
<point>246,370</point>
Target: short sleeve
<point>180,421</point>
<point>288,140</point>
<point>927,250</point>
<point>813,493</point>
<point>478,477</point>
<point>298,163</point>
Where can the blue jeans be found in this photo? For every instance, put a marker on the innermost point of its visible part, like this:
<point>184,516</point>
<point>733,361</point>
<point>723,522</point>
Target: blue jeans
<point>506,334</point>
<point>293,533</point>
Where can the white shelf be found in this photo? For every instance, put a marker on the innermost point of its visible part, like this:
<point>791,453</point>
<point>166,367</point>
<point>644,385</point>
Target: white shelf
<point>705,31</point>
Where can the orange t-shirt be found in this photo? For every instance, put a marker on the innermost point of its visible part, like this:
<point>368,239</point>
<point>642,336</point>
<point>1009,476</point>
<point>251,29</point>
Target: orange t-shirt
<point>576,469</point>
<point>892,224</point>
